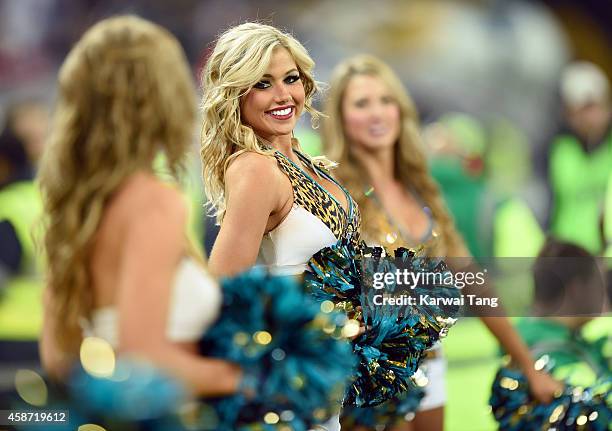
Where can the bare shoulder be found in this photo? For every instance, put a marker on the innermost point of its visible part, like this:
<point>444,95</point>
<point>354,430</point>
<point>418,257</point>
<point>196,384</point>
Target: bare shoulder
<point>143,195</point>
<point>253,166</point>
<point>255,184</point>
<point>253,172</point>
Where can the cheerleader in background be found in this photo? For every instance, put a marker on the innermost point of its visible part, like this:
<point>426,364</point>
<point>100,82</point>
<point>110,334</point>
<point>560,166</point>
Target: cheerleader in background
<point>119,266</point>
<point>373,134</point>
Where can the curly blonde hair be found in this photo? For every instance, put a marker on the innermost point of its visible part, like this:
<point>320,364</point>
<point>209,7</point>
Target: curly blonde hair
<point>410,158</point>
<point>239,60</point>
<point>125,94</point>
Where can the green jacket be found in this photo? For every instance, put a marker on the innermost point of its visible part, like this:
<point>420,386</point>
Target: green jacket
<point>20,302</point>
<point>576,357</point>
<point>21,205</point>
<point>608,220</point>
<point>579,180</point>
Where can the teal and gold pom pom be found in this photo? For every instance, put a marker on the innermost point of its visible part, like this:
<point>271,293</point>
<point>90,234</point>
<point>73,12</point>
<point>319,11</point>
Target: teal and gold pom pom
<point>582,364</point>
<point>387,414</point>
<point>121,395</point>
<point>295,359</point>
<point>584,408</point>
<point>396,337</point>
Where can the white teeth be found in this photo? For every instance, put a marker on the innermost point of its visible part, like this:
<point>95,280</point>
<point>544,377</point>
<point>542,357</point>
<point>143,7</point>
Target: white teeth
<point>281,112</point>
<point>377,130</point>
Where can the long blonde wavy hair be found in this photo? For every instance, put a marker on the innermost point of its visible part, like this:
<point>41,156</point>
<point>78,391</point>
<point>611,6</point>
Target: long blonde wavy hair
<point>239,60</point>
<point>410,158</point>
<point>125,94</point>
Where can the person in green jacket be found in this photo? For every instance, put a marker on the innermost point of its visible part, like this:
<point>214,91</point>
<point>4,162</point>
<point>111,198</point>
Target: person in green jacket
<point>607,221</point>
<point>606,233</point>
<point>21,141</point>
<point>22,138</point>
<point>581,158</point>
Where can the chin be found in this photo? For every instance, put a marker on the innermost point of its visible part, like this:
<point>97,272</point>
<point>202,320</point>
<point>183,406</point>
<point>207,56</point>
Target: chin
<point>378,145</point>
<point>281,131</point>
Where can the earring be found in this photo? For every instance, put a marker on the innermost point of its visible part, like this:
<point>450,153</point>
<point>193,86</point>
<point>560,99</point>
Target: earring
<point>315,122</point>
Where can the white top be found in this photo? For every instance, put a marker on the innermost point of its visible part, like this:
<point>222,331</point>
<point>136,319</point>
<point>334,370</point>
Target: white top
<point>287,248</point>
<point>195,305</point>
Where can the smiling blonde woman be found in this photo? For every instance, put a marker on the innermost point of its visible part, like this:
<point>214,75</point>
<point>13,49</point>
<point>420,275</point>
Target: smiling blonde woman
<point>240,59</point>
<point>277,206</point>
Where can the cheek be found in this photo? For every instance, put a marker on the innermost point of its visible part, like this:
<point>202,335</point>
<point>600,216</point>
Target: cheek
<point>355,124</point>
<point>299,96</point>
<point>354,120</point>
<point>249,108</point>
<point>393,113</point>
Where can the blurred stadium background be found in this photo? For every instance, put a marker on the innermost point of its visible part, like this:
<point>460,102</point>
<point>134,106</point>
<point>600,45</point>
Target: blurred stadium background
<point>485,75</point>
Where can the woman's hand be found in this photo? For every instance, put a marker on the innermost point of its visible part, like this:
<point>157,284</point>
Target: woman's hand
<point>234,378</point>
<point>542,386</point>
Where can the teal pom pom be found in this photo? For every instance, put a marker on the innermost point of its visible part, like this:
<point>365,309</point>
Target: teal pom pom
<point>583,365</point>
<point>514,409</point>
<point>136,397</point>
<point>396,337</point>
<point>295,362</point>
<point>335,274</point>
<point>387,414</point>
<point>135,392</point>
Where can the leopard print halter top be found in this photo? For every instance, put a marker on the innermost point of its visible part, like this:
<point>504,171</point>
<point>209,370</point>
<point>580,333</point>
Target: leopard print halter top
<point>313,197</point>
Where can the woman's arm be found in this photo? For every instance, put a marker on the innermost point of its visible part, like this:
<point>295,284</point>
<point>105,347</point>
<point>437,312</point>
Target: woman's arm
<point>154,246</point>
<point>253,187</point>
<point>55,362</point>
<point>541,384</point>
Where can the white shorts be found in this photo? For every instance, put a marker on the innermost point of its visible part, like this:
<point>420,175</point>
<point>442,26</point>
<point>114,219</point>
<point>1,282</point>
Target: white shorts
<point>435,390</point>
<point>331,425</point>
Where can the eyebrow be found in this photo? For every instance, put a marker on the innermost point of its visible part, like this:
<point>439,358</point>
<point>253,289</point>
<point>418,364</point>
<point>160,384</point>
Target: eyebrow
<point>267,75</point>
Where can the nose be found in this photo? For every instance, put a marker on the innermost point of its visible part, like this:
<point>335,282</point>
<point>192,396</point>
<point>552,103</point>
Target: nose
<point>281,94</point>
<point>377,111</point>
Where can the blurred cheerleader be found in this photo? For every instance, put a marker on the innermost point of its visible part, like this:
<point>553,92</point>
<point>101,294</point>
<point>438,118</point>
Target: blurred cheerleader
<point>373,134</point>
<point>119,266</point>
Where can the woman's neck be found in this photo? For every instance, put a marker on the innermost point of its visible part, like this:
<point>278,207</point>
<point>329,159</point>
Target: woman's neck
<point>379,165</point>
<point>284,144</point>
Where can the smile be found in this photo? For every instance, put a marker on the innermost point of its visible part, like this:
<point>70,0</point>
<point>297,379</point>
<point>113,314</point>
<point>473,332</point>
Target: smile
<point>378,130</point>
<point>282,113</point>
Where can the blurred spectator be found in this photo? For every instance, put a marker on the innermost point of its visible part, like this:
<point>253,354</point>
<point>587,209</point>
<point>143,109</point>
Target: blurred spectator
<point>486,182</point>
<point>21,143</point>
<point>607,220</point>
<point>22,140</point>
<point>519,204</point>
<point>581,158</point>
<point>606,231</point>
<point>458,142</point>
<point>484,174</point>
<point>569,284</point>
